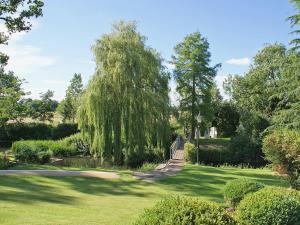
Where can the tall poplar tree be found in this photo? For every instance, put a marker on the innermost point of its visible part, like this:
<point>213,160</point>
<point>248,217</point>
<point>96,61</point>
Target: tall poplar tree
<point>125,108</point>
<point>194,76</point>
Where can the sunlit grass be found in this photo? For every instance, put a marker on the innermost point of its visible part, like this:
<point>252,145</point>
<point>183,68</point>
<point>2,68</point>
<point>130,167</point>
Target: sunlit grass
<point>79,200</point>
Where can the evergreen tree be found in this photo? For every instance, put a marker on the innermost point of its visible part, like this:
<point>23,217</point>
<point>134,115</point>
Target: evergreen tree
<point>295,21</point>
<point>194,76</point>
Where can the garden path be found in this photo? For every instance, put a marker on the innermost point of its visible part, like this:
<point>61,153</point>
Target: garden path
<point>171,168</point>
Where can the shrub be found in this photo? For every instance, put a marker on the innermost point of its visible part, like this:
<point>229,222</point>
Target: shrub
<point>63,130</point>
<point>32,151</point>
<point>134,159</point>
<point>147,167</point>
<point>236,190</point>
<point>213,156</point>
<point>190,152</point>
<point>78,142</point>
<point>185,210</point>
<point>270,206</point>
<point>62,149</point>
<point>154,155</point>
<point>4,162</point>
<point>282,148</point>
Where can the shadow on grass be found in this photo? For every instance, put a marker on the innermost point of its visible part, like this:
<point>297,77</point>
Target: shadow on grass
<point>62,190</point>
<point>208,182</point>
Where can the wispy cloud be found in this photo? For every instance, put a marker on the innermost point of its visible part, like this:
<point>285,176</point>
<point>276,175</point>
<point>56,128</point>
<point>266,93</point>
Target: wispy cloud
<point>24,59</point>
<point>239,61</point>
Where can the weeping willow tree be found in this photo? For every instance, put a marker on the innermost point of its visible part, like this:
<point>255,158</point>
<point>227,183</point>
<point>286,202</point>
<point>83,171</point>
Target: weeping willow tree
<point>125,108</point>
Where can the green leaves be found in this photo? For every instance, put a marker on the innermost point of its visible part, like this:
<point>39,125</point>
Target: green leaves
<point>126,105</point>
<point>194,75</point>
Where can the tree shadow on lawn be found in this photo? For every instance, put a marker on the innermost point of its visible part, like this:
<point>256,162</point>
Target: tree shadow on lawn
<point>24,190</point>
<point>30,190</point>
<point>208,182</point>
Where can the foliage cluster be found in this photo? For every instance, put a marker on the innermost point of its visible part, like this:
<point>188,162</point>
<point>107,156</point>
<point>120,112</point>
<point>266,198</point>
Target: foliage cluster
<point>190,154</point>
<point>195,79</point>
<point>125,109</point>
<point>38,151</point>
<point>35,131</point>
<point>185,210</point>
<point>69,105</point>
<point>236,190</point>
<point>282,148</point>
<point>270,206</point>
<point>4,162</point>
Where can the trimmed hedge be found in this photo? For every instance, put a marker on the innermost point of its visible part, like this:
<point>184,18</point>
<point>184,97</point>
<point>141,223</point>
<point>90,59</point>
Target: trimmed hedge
<point>35,131</point>
<point>185,210</point>
<point>270,206</point>
<point>236,190</point>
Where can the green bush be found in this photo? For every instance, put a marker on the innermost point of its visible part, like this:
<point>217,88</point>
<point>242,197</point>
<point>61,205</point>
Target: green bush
<point>38,151</point>
<point>236,190</point>
<point>270,206</point>
<point>282,148</point>
<point>134,159</point>
<point>213,156</point>
<point>190,152</point>
<point>185,210</point>
<point>62,149</point>
<point>78,142</point>
<point>32,151</point>
<point>4,162</point>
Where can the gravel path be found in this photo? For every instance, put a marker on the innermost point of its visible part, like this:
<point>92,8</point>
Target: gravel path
<point>59,173</point>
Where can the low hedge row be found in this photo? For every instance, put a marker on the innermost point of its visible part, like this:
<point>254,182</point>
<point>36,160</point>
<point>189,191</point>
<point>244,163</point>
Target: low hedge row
<point>206,156</point>
<point>35,131</point>
<point>31,151</point>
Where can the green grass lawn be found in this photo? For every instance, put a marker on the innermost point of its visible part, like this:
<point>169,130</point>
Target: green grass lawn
<point>78,200</point>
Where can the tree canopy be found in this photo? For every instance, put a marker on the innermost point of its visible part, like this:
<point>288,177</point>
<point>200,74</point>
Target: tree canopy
<point>125,108</point>
<point>16,14</point>
<point>194,77</point>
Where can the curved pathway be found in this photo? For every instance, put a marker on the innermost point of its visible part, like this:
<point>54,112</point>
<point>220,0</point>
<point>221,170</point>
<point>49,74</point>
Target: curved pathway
<point>60,173</point>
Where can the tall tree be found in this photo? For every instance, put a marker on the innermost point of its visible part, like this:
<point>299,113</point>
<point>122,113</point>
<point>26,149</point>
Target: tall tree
<point>10,94</point>
<point>16,14</point>
<point>295,22</point>
<point>68,107</point>
<point>44,108</point>
<point>194,75</point>
<point>125,108</point>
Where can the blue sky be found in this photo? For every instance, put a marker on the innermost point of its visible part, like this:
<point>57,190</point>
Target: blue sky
<point>59,44</point>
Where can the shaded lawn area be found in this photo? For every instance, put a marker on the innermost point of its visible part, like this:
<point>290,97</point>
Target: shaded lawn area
<point>79,200</point>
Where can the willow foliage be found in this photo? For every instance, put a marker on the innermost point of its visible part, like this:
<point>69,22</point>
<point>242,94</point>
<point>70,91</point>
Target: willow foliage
<point>125,108</point>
